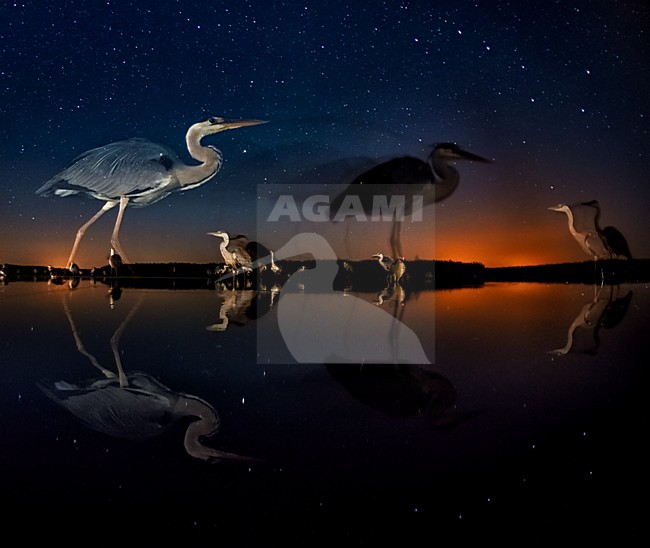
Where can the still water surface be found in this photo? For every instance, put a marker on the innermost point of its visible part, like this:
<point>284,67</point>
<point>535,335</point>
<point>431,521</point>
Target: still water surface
<point>528,412</point>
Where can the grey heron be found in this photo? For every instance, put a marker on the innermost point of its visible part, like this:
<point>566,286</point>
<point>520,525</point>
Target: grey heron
<point>115,262</point>
<point>599,243</point>
<point>433,180</point>
<point>242,255</point>
<point>137,172</point>
<point>236,251</point>
<point>275,268</point>
<point>395,267</point>
<point>614,239</point>
<point>582,226</point>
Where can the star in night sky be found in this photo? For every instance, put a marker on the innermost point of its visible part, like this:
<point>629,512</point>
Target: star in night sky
<point>554,93</point>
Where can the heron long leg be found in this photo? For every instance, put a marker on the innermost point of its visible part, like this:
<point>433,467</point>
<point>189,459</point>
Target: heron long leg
<point>84,227</point>
<point>80,346</point>
<point>395,239</point>
<point>115,341</point>
<point>115,242</point>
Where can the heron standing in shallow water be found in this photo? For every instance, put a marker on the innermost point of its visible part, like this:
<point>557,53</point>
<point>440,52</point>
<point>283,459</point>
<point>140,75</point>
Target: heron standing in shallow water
<point>614,239</point>
<point>584,226</point>
<point>583,220</point>
<point>236,252</point>
<point>138,172</point>
<point>395,267</point>
<point>115,262</point>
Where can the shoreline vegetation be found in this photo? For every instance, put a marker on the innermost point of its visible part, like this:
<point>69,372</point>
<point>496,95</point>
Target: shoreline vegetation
<point>357,275</point>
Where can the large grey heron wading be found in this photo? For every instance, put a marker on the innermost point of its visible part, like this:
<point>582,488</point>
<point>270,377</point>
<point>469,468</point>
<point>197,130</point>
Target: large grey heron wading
<point>138,172</point>
<point>433,180</point>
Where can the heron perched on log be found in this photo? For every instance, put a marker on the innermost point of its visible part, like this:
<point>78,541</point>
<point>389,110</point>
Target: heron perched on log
<point>137,172</point>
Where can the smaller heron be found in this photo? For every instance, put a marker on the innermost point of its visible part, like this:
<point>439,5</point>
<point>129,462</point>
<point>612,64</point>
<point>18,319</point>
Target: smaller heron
<point>235,251</point>
<point>599,243</point>
<point>115,262</point>
<point>582,226</point>
<point>242,255</point>
<point>395,267</point>
<point>275,268</point>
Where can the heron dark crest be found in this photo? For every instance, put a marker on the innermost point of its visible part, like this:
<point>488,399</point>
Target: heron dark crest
<point>137,172</point>
<point>432,180</point>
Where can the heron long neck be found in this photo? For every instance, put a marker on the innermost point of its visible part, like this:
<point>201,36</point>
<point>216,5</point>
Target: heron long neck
<point>572,229</point>
<point>224,245</point>
<point>446,177</point>
<point>597,219</point>
<point>210,158</point>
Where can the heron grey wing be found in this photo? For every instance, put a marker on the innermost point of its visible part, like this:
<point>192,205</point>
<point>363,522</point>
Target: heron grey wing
<point>116,411</point>
<point>117,169</point>
<point>239,241</point>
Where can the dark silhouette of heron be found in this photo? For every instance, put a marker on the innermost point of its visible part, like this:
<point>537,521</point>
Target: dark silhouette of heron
<point>421,183</point>
<point>138,172</point>
<point>614,239</point>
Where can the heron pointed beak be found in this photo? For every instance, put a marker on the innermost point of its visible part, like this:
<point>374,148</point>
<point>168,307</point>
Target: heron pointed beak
<point>473,157</point>
<point>234,124</point>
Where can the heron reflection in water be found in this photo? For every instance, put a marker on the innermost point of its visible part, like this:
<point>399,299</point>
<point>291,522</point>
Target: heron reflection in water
<point>138,172</point>
<point>605,310</point>
<point>403,391</point>
<point>421,183</point>
<point>236,307</point>
<point>135,406</point>
<point>320,325</point>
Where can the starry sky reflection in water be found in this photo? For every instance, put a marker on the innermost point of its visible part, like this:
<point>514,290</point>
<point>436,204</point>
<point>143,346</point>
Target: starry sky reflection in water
<point>555,93</point>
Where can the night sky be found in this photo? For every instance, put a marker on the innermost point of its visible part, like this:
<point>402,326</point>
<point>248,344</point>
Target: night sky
<point>555,93</point>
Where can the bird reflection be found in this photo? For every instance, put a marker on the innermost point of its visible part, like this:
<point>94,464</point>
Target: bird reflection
<point>605,310</point>
<point>320,325</point>
<point>235,308</point>
<point>135,406</point>
<point>402,391</point>
<point>420,183</point>
<point>138,172</point>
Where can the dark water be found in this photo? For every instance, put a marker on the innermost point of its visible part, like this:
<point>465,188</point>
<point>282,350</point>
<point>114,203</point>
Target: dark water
<point>529,419</point>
